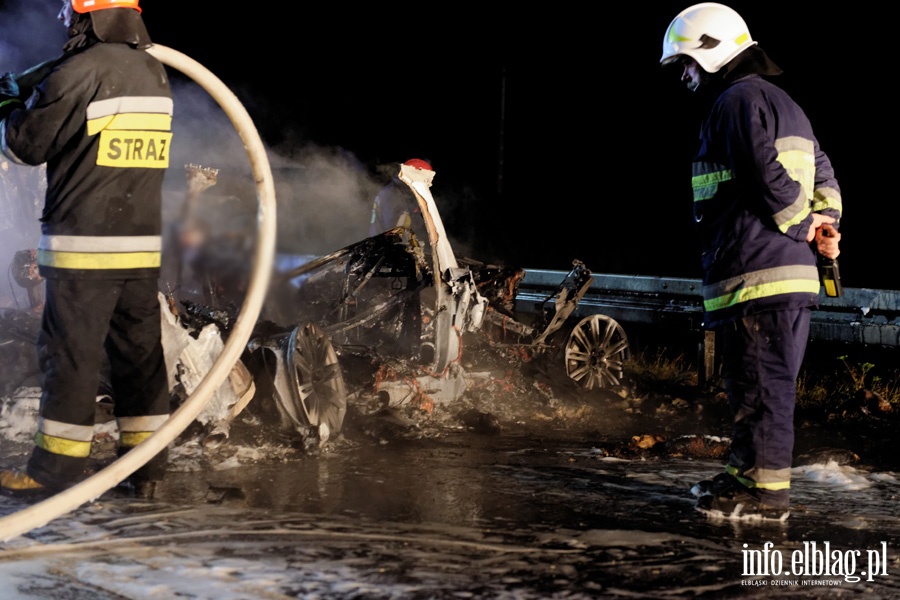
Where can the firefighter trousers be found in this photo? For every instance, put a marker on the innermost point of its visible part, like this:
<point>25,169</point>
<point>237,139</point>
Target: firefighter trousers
<point>762,356</point>
<point>82,319</point>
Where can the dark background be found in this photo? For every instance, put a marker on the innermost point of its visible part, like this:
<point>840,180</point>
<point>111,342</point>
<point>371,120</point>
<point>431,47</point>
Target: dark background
<point>554,132</point>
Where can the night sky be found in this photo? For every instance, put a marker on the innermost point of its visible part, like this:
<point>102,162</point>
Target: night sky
<point>554,133</point>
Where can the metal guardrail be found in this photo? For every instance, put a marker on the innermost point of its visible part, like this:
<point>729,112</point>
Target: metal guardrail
<point>861,316</point>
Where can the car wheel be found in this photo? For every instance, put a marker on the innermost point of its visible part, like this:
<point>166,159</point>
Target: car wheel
<point>595,352</point>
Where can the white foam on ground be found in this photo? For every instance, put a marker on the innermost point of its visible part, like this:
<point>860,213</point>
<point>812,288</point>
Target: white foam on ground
<point>19,415</point>
<point>834,475</point>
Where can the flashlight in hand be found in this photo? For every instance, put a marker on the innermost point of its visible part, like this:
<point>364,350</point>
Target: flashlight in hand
<point>829,273</point>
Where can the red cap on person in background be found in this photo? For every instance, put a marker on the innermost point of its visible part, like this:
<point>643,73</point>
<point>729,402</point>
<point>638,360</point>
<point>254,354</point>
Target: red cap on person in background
<point>419,164</point>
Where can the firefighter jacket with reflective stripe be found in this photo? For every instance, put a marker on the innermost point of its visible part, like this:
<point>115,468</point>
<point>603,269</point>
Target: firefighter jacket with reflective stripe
<point>101,120</point>
<point>757,178</point>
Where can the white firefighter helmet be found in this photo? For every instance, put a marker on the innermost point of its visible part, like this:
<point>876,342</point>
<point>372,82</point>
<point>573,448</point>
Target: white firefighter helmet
<point>710,33</point>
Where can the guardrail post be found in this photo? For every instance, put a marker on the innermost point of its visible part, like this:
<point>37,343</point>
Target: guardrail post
<point>707,360</point>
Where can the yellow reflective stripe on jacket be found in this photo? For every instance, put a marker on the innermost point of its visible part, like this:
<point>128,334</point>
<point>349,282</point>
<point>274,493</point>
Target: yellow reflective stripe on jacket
<point>100,252</point>
<point>99,260</point>
<point>827,197</point>
<point>111,107</point>
<point>793,214</point>
<point>147,121</point>
<point>135,131</point>
<point>761,284</point>
<point>101,243</point>
<point>63,446</point>
<point>706,179</point>
<point>797,156</point>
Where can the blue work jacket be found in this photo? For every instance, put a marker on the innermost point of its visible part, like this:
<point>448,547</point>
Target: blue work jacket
<point>758,176</point>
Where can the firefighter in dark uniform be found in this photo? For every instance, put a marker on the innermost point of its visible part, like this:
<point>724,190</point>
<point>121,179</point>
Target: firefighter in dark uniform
<point>101,121</point>
<point>765,202</point>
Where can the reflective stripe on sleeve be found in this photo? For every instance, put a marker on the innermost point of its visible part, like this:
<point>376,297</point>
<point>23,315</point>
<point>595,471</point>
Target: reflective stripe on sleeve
<point>827,197</point>
<point>797,156</point>
<point>793,214</point>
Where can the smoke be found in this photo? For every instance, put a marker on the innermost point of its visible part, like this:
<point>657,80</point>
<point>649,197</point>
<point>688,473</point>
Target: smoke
<point>323,195</point>
<point>323,199</point>
<point>29,34</point>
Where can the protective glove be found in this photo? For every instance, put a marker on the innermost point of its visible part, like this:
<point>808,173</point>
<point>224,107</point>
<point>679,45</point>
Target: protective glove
<point>9,87</point>
<point>16,89</point>
<point>9,94</point>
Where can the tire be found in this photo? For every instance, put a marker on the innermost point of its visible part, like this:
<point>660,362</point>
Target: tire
<point>596,351</point>
<point>317,384</point>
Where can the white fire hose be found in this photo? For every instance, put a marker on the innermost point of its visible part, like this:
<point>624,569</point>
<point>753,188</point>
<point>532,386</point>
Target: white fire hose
<point>41,513</point>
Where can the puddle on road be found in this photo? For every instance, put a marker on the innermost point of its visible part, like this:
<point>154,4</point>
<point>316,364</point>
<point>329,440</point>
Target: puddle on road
<point>549,518</point>
<point>524,516</point>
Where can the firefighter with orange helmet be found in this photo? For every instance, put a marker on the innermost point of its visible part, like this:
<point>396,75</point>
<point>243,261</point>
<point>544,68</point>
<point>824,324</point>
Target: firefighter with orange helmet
<point>764,194</point>
<point>396,206</point>
<point>100,119</point>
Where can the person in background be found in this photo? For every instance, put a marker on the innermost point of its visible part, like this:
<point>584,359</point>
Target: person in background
<point>396,206</point>
<point>101,121</point>
<point>765,202</point>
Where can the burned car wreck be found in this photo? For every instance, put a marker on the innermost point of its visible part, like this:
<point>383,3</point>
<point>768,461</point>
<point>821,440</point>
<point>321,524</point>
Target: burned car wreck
<point>386,321</point>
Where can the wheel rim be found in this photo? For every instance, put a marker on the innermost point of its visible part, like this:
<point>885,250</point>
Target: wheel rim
<point>318,384</point>
<point>596,351</point>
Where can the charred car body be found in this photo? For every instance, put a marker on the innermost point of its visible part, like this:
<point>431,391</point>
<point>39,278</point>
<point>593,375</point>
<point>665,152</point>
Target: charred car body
<point>387,318</point>
<point>383,320</point>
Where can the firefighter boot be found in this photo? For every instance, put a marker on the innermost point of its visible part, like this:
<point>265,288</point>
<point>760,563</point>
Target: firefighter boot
<point>19,484</point>
<point>143,483</point>
<point>740,502</point>
<point>717,486</point>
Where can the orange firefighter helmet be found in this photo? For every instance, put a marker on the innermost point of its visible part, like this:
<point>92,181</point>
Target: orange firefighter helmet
<point>85,6</point>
